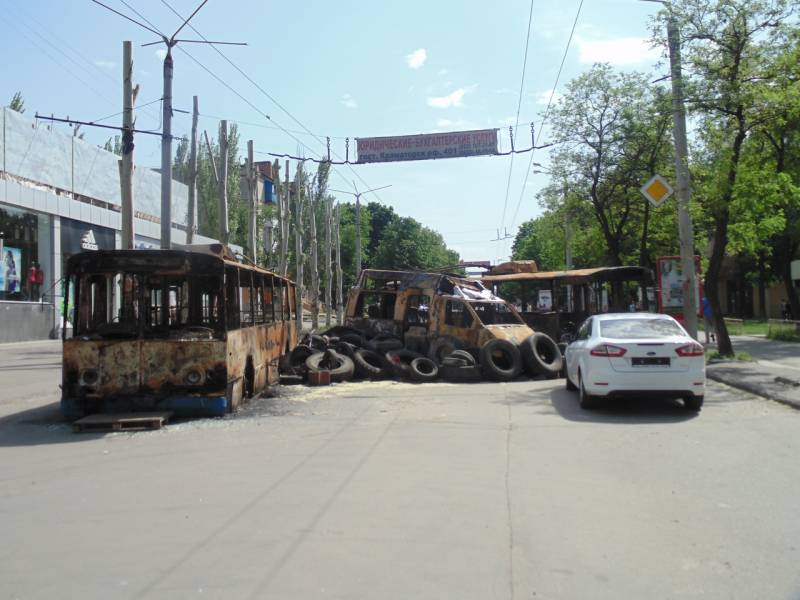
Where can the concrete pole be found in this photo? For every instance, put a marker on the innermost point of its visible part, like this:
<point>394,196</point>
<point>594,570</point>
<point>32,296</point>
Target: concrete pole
<point>314,262</point>
<point>278,191</point>
<point>685,228</point>
<point>190,231</point>
<point>126,162</point>
<point>358,235</point>
<point>287,211</point>
<point>166,155</point>
<point>339,283</point>
<point>298,247</point>
<point>252,234</point>
<point>224,233</point>
<point>328,273</point>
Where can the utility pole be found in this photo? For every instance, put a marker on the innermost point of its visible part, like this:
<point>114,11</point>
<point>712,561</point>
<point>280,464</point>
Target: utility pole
<point>339,283</point>
<point>126,162</point>
<point>166,132</point>
<point>276,174</point>
<point>685,228</point>
<point>287,213</point>
<point>224,233</point>
<point>314,262</point>
<point>193,176</point>
<point>358,195</point>
<point>166,154</point>
<point>328,274</point>
<point>252,184</point>
<point>298,246</point>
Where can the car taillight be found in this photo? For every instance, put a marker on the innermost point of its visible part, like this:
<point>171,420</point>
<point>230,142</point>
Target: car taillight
<point>608,350</point>
<point>693,349</point>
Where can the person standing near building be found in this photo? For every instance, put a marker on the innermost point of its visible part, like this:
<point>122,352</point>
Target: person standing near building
<point>708,320</point>
<point>35,280</point>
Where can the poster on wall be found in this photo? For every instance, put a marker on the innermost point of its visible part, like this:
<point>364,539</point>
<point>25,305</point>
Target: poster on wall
<point>11,270</point>
<point>545,300</point>
<point>672,283</point>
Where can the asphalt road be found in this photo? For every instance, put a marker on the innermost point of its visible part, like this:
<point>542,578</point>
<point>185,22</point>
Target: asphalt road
<point>391,490</point>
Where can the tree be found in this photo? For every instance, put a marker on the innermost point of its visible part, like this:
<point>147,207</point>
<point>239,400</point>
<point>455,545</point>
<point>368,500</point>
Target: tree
<point>408,245</point>
<point>17,103</point>
<point>380,217</point>
<point>114,146</point>
<point>726,44</point>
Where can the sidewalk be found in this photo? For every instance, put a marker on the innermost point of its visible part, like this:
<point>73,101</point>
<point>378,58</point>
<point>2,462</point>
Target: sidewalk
<point>773,374</point>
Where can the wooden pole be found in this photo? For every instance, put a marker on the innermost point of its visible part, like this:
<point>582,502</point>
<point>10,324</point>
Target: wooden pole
<point>224,233</point>
<point>192,228</point>
<point>339,283</point>
<point>328,274</point>
<point>126,162</point>
<point>314,262</point>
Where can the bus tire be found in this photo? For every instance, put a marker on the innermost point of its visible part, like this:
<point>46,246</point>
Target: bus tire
<point>399,361</point>
<point>541,355</point>
<point>461,374</point>
<point>356,339</point>
<point>300,354</point>
<point>464,355</point>
<point>368,364</point>
<point>344,348</point>
<point>500,360</point>
<point>424,370</point>
<point>385,343</point>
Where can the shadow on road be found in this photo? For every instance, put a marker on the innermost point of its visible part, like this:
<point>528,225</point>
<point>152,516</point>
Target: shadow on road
<point>622,411</point>
<point>766,349</point>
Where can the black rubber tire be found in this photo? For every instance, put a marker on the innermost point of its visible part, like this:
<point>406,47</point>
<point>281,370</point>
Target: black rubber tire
<point>353,338</point>
<point>399,361</point>
<point>340,330</point>
<point>368,364</point>
<point>384,344</point>
<point>456,361</point>
<point>299,355</point>
<point>541,355</point>
<point>461,374</point>
<point>317,342</point>
<point>340,366</point>
<point>693,403</point>
<point>500,360</point>
<point>344,348</point>
<point>586,401</point>
<point>424,370</point>
<point>441,347</point>
<point>465,355</point>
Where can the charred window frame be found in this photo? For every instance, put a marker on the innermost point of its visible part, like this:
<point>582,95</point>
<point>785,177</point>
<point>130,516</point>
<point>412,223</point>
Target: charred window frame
<point>457,314</point>
<point>245,297</point>
<point>277,294</point>
<point>376,305</point>
<point>417,310</point>
<point>269,299</point>
<point>232,298</point>
<point>288,302</point>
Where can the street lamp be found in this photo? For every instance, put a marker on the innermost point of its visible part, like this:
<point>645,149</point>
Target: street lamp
<point>358,195</point>
<point>685,228</point>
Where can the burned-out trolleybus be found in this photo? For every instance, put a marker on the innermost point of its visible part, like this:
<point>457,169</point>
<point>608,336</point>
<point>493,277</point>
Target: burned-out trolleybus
<point>191,331</point>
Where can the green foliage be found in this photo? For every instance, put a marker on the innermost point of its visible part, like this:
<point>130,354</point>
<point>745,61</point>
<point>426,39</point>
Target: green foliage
<point>114,145</point>
<point>17,103</point>
<point>407,244</point>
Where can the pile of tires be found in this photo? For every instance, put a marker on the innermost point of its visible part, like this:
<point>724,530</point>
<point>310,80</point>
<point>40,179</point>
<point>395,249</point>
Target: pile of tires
<point>350,354</point>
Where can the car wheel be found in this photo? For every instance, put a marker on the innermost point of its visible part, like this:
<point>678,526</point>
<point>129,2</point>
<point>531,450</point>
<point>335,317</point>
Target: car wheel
<point>693,403</point>
<point>587,401</point>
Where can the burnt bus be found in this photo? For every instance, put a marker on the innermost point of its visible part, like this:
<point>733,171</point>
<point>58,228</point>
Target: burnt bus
<point>191,331</point>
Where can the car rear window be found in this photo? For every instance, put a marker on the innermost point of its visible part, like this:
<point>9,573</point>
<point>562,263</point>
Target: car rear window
<point>638,328</point>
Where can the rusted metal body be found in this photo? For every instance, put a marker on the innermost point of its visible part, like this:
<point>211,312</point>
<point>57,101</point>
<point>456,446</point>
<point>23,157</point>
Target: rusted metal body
<point>420,307</point>
<point>194,332</point>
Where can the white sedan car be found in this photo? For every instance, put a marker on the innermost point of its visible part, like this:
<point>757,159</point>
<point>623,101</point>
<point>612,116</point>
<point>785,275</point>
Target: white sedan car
<point>635,354</point>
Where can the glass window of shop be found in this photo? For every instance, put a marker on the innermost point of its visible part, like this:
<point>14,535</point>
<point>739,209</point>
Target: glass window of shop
<point>77,236</point>
<point>26,254</point>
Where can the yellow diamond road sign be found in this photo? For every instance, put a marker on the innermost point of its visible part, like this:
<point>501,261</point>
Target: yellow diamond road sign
<point>657,190</point>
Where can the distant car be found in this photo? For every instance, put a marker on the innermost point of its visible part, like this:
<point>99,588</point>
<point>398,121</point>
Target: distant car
<point>635,354</point>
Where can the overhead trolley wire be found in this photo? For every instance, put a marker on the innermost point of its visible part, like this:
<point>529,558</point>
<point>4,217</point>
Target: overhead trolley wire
<point>516,122</point>
<point>547,111</point>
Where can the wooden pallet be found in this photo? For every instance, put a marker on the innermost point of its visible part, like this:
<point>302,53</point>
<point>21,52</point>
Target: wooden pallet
<point>122,422</point>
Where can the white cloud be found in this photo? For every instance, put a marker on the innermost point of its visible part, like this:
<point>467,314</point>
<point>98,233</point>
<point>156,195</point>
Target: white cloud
<point>620,51</point>
<point>348,101</point>
<point>417,58</point>
<point>452,99</point>
<point>161,54</point>
<point>443,71</point>
<point>544,97</point>
<point>105,64</point>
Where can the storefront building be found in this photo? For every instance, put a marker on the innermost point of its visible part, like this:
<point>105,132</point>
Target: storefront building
<point>60,195</point>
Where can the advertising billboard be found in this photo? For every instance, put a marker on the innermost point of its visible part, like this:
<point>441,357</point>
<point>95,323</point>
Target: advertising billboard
<point>427,146</point>
<point>11,270</point>
<point>672,285</point>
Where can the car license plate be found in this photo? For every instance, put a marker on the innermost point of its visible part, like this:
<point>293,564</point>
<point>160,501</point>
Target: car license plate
<point>661,361</point>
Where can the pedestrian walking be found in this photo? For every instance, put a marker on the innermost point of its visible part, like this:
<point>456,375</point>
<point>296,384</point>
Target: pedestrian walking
<point>786,310</point>
<point>708,320</point>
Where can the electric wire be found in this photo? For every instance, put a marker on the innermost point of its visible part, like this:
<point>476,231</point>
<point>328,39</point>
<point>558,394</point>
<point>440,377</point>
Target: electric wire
<point>519,106</point>
<point>544,117</point>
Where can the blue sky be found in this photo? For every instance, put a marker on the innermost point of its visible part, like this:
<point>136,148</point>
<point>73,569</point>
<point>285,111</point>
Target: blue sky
<point>343,69</point>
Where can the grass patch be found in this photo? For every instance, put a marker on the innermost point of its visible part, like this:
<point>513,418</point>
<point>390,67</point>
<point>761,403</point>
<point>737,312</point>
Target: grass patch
<point>715,355</point>
<point>784,335</point>
<point>742,328</point>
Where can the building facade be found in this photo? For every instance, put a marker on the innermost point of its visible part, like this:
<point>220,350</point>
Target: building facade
<point>60,195</point>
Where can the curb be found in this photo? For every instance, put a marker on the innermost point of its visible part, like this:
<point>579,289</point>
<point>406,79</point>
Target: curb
<point>754,388</point>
